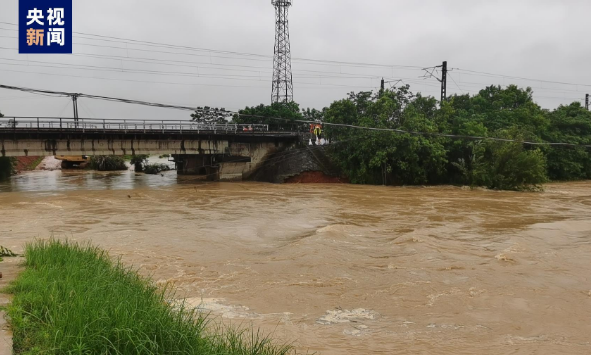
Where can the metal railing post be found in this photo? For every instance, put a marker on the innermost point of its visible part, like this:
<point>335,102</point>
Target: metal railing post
<point>104,126</point>
<point>37,123</point>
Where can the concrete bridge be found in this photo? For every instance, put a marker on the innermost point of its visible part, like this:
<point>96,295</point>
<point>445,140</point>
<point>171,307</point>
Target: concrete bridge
<point>217,151</point>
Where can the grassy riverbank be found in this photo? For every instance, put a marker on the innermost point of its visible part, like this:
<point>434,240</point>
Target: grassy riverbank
<point>73,299</point>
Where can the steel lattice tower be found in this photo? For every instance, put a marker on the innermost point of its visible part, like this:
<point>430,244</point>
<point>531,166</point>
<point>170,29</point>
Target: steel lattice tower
<point>282,77</point>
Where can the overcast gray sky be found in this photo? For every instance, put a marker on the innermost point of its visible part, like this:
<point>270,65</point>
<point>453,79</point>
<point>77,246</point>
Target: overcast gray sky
<point>539,39</point>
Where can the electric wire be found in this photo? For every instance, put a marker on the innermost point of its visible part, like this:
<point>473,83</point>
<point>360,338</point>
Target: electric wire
<point>376,129</point>
<point>209,50</point>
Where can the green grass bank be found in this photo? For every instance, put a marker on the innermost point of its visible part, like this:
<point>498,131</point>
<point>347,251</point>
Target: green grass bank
<point>74,299</point>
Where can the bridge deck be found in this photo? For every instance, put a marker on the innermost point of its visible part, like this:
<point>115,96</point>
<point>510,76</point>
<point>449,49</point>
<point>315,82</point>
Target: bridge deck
<point>52,136</point>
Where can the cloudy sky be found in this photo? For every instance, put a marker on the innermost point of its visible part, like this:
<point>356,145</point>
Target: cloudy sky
<point>338,46</point>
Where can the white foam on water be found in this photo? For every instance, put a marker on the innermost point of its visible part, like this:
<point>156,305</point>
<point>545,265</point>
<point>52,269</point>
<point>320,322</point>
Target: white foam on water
<point>345,316</point>
<point>216,306</point>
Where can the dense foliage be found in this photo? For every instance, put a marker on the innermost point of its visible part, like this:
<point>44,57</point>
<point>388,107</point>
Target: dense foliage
<point>472,157</point>
<point>423,151</point>
<point>211,115</point>
<point>278,116</point>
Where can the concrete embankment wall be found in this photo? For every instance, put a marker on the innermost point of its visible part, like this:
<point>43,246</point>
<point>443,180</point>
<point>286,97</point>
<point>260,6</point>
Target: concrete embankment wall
<point>238,162</point>
<point>288,164</point>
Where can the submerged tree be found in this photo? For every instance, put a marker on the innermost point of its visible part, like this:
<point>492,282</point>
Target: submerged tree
<point>509,165</point>
<point>421,143</point>
<point>107,163</point>
<point>139,161</point>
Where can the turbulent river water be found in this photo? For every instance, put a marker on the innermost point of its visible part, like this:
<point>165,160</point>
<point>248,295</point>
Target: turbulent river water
<point>340,269</point>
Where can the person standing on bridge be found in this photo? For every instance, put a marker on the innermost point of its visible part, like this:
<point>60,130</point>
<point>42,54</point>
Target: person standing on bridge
<point>318,132</point>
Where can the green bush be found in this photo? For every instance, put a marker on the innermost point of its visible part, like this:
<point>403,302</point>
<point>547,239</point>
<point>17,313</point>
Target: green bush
<point>138,161</point>
<point>72,299</point>
<point>107,163</point>
<point>154,169</point>
<point>509,166</point>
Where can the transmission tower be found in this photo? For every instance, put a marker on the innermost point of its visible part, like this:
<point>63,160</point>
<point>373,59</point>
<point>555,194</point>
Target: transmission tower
<point>282,77</point>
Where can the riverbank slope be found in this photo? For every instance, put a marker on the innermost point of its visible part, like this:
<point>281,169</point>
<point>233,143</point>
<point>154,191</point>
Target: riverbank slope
<point>73,298</point>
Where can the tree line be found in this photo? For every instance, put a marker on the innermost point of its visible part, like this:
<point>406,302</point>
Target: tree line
<point>394,158</point>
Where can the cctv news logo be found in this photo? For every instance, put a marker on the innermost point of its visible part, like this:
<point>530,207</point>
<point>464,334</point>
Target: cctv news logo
<point>45,26</point>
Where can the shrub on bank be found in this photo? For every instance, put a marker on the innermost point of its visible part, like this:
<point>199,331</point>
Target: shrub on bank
<point>107,163</point>
<point>72,299</point>
<point>138,161</point>
<point>155,168</point>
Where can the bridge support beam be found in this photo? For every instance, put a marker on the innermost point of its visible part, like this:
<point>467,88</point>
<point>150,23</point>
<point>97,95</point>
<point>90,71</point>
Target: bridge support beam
<point>48,147</point>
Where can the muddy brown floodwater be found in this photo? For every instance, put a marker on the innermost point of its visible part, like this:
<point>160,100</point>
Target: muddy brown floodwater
<point>342,269</point>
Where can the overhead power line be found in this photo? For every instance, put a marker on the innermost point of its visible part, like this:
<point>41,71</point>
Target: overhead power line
<point>207,54</point>
<point>521,78</point>
<point>376,129</point>
<point>253,56</point>
<point>302,84</point>
<point>209,50</point>
<point>207,66</point>
<point>171,73</point>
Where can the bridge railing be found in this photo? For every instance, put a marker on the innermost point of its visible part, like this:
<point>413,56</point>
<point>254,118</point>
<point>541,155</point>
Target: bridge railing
<point>139,126</point>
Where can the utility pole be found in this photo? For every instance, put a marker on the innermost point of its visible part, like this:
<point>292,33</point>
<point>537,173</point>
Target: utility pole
<point>429,73</point>
<point>75,104</point>
<point>444,81</point>
<point>587,102</point>
<point>382,87</point>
